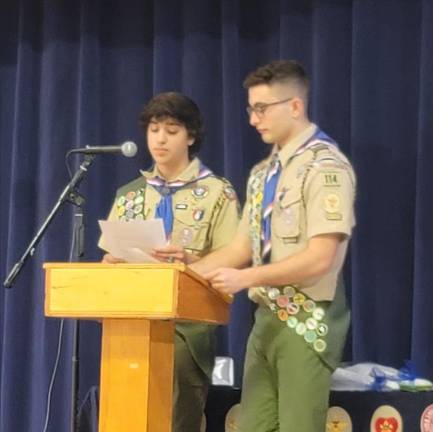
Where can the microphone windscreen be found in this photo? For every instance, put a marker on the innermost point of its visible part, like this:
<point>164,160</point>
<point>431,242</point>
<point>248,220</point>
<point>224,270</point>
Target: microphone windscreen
<point>129,149</point>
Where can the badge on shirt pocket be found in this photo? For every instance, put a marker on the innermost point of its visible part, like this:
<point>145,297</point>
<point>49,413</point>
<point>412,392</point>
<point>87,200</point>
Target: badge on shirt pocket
<point>190,232</point>
<point>286,217</point>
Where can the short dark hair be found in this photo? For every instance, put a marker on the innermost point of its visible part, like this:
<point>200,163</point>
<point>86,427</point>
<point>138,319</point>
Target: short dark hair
<point>178,107</point>
<point>279,71</point>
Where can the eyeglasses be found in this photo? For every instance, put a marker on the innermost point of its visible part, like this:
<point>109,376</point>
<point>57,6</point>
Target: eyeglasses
<point>261,108</point>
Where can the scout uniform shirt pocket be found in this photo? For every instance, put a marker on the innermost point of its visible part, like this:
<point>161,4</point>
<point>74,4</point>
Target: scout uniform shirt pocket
<point>190,228</point>
<point>286,216</point>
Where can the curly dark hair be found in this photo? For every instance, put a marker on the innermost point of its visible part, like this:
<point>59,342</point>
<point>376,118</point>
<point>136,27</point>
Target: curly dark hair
<point>280,71</point>
<point>178,107</point>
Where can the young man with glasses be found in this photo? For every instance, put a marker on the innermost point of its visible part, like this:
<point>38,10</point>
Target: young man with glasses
<point>295,228</point>
<point>200,214</point>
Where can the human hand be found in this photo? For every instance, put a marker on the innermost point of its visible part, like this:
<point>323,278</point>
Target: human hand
<point>110,259</point>
<point>227,280</point>
<point>173,253</point>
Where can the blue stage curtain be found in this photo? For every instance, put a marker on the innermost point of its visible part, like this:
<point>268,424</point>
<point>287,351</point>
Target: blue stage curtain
<point>77,73</point>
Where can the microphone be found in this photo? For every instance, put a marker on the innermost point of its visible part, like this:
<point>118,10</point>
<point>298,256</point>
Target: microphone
<point>128,149</point>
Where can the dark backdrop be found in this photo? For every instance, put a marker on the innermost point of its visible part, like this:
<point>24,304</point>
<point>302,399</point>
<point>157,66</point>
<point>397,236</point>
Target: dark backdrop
<point>77,73</point>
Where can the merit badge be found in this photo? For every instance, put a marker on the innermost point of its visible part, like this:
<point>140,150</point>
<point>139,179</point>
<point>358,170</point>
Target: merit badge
<point>200,191</point>
<point>121,211</point>
<point>301,328</point>
<point>332,203</point>
<point>318,314</point>
<point>308,306</point>
<point>319,345</point>
<point>282,315</point>
<point>130,195</point>
<point>129,214</point>
<point>310,336</point>
<point>289,291</point>
<point>338,420</point>
<point>426,423</point>
<point>138,209</point>
<point>129,205</point>
<point>292,308</point>
<point>386,418</point>
<point>198,214</point>
<point>322,329</point>
<point>282,301</point>
<point>186,236</point>
<point>292,322</point>
<point>311,324</point>
<point>139,216</point>
<point>139,199</point>
<point>273,293</point>
<point>121,201</point>
<point>230,193</point>
<point>299,299</point>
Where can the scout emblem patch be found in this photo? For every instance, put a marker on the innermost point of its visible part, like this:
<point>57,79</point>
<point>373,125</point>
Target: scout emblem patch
<point>230,193</point>
<point>198,214</point>
<point>200,191</point>
<point>426,423</point>
<point>332,204</point>
<point>338,420</point>
<point>386,419</point>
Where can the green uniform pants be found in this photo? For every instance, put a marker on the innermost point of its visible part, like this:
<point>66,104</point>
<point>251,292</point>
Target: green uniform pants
<point>190,383</point>
<point>286,384</point>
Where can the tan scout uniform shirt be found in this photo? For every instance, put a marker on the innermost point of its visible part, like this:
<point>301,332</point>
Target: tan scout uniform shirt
<point>205,212</point>
<point>205,218</point>
<point>314,195</point>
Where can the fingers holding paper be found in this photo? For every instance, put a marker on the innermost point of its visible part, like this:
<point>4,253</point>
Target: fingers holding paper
<point>110,259</point>
<point>173,253</point>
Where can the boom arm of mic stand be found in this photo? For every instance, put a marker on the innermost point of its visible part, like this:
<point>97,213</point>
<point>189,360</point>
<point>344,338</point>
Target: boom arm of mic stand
<point>69,194</point>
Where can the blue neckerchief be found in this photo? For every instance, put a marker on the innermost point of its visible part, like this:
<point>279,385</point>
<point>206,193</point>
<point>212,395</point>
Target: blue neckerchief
<point>164,209</point>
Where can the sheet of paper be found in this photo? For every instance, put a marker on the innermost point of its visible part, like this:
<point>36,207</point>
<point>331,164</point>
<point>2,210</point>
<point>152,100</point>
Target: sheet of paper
<point>133,240</point>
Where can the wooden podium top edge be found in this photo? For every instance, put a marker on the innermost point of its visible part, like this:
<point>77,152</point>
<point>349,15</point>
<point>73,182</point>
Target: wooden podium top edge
<point>168,266</point>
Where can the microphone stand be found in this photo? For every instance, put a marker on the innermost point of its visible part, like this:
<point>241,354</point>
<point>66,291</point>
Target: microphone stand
<point>70,194</point>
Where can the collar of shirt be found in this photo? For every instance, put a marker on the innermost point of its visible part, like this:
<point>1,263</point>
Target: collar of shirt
<point>293,145</point>
<point>188,174</point>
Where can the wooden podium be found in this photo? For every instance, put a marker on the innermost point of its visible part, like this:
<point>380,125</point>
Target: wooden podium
<point>138,305</point>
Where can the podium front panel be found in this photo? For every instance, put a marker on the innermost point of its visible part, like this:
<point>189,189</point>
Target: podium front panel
<point>111,292</point>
